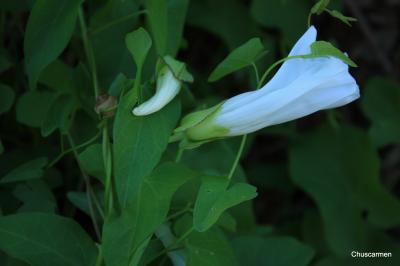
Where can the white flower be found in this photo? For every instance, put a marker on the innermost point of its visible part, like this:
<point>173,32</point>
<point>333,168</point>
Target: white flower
<point>168,86</point>
<point>299,88</point>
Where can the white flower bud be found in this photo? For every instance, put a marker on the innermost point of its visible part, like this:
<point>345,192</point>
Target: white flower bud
<point>168,86</point>
<point>300,87</point>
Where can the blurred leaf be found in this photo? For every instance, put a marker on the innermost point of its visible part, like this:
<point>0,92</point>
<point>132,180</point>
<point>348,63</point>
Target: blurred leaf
<point>119,84</point>
<point>36,196</point>
<point>7,97</point>
<point>139,44</point>
<point>176,20</point>
<point>49,29</point>
<point>46,240</point>
<point>276,251</point>
<point>137,153</point>
<point>209,248</point>
<point>108,28</point>
<point>233,25</point>
<point>33,106</point>
<point>27,171</point>
<point>215,197</point>
<point>5,62</point>
<point>123,235</point>
<point>241,57</point>
<point>58,76</point>
<point>92,162</point>
<point>158,18</point>
<point>80,200</point>
<point>58,115</point>
<point>290,16</point>
<point>381,104</point>
<point>340,171</point>
<point>341,17</point>
<point>319,7</point>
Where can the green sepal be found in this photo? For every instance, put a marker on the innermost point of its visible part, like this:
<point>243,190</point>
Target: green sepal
<point>177,67</point>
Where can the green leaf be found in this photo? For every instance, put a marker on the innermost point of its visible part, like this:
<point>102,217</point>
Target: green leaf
<point>214,198</point>
<point>210,248</point>
<point>108,38</point>
<point>49,29</point>
<point>319,7</point>
<point>7,97</point>
<point>33,106</point>
<point>178,68</point>
<point>322,49</point>
<point>207,159</point>
<point>46,240</point>
<point>123,235</point>
<point>80,200</point>
<point>381,104</point>
<point>176,20</point>
<point>92,162</point>
<point>340,171</point>
<point>136,153</point>
<point>158,18</point>
<point>277,14</point>
<point>341,17</point>
<point>59,114</point>
<point>139,44</point>
<point>241,57</point>
<point>276,251</point>
<point>27,171</point>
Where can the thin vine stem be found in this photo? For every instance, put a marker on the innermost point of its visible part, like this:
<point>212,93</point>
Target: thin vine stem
<point>88,188</point>
<point>238,155</point>
<point>116,21</point>
<point>89,52</point>
<point>65,152</point>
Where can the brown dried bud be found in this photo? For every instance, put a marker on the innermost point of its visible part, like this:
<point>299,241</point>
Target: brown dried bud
<point>106,105</point>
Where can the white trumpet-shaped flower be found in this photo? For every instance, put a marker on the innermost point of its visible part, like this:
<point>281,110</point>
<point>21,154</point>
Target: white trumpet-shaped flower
<point>300,87</point>
<point>168,86</point>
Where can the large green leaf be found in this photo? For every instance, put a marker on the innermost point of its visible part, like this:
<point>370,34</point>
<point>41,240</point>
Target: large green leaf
<point>215,197</point>
<point>123,235</point>
<point>381,104</point>
<point>340,171</point>
<point>27,171</point>
<point>139,142</point>
<point>276,251</point>
<point>46,240</point>
<point>241,57</point>
<point>158,18</point>
<point>7,96</point>
<point>49,29</point>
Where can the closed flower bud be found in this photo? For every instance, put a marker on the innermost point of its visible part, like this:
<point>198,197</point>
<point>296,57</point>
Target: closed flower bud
<point>168,86</point>
<point>301,87</point>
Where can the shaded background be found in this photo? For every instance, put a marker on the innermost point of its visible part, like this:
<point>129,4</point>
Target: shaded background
<point>331,179</point>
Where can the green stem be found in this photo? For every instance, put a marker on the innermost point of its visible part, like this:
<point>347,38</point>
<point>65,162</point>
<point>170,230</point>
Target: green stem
<point>256,72</point>
<point>88,188</point>
<point>238,155</point>
<point>117,21</point>
<point>63,153</point>
<point>179,155</point>
<point>99,260</point>
<point>89,53</point>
